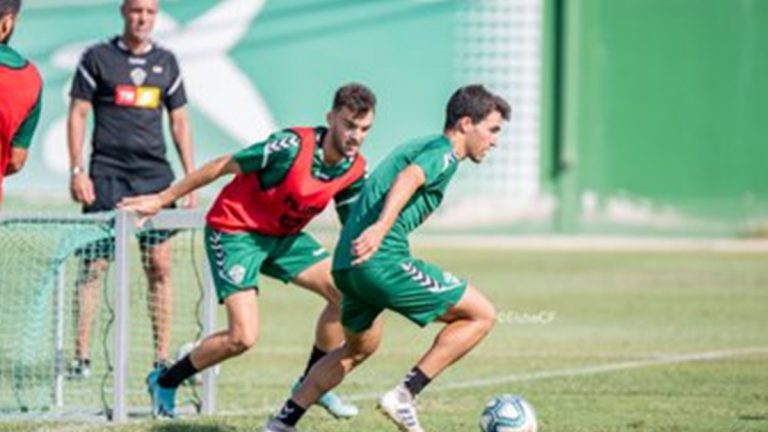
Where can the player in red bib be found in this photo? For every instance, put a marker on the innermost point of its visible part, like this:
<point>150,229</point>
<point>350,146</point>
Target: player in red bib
<point>20,94</point>
<point>255,226</point>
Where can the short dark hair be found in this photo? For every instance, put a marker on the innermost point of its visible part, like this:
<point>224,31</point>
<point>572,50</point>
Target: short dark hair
<point>9,7</point>
<point>355,97</point>
<point>475,102</point>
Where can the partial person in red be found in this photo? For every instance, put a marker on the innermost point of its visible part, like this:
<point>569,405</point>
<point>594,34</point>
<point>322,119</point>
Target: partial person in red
<point>256,227</point>
<point>20,97</point>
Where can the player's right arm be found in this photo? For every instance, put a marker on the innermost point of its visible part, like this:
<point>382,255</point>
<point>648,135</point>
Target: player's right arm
<point>148,205</point>
<point>84,86</point>
<point>410,179</point>
<point>269,155</point>
<point>80,185</point>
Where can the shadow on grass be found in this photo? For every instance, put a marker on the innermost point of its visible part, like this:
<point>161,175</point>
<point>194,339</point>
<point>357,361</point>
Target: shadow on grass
<point>192,427</point>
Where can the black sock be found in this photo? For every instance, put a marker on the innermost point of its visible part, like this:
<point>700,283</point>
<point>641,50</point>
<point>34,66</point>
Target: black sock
<point>415,381</point>
<point>316,355</point>
<point>290,413</point>
<point>177,373</point>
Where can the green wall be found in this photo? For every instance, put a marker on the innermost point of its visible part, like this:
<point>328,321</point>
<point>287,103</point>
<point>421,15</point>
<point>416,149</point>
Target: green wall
<point>295,52</point>
<point>662,103</point>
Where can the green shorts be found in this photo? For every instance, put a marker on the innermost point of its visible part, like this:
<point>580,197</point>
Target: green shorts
<point>413,288</point>
<point>237,259</point>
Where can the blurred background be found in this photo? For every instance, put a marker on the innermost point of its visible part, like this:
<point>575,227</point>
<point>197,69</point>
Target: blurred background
<point>639,119</point>
<point>629,116</point>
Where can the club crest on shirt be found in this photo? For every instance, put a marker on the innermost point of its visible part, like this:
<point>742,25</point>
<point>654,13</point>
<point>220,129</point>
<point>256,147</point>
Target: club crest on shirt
<point>138,76</point>
<point>237,273</point>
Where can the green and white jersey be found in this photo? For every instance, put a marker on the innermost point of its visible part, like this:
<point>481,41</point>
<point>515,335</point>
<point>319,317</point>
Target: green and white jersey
<point>273,158</point>
<point>435,156</point>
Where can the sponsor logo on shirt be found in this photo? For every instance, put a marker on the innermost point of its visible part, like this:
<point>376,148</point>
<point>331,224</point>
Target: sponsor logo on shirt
<point>137,96</point>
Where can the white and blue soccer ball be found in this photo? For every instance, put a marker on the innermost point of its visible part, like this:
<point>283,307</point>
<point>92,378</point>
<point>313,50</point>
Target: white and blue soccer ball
<point>508,413</point>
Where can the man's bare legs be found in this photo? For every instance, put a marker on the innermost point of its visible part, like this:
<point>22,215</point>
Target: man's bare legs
<point>241,334</point>
<point>88,287</point>
<point>329,334</point>
<point>156,260</point>
<point>467,323</point>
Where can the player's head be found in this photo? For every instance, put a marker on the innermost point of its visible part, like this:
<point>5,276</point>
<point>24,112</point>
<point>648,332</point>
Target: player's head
<point>9,10</point>
<point>477,114</point>
<point>351,118</point>
<point>139,18</point>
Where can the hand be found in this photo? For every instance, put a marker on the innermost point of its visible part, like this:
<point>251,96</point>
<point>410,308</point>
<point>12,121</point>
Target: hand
<point>145,206</point>
<point>189,201</point>
<point>81,189</point>
<point>366,245</point>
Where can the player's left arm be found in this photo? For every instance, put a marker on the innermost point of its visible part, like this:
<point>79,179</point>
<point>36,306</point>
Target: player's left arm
<point>410,179</point>
<point>23,138</point>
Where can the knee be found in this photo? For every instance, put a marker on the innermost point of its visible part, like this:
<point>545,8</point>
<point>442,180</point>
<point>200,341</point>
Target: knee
<point>240,342</point>
<point>332,296</point>
<point>91,271</point>
<point>159,270</point>
<point>487,318</point>
<point>358,353</point>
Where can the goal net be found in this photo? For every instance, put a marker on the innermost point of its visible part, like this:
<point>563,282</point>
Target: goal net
<point>74,288</point>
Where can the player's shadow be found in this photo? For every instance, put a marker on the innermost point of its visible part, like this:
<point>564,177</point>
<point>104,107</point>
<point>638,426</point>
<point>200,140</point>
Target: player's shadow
<point>190,427</point>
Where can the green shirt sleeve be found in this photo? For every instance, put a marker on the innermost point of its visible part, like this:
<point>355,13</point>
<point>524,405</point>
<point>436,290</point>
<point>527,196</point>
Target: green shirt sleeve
<point>23,137</point>
<point>276,153</point>
<point>434,160</point>
<point>346,198</point>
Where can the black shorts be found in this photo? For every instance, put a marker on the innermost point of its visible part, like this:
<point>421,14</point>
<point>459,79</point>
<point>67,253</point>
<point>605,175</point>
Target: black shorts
<point>109,192</point>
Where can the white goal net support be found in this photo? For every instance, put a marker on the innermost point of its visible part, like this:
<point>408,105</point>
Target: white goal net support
<point>144,294</point>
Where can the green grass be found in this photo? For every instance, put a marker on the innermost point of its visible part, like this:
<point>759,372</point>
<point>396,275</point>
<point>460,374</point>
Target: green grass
<point>607,309</point>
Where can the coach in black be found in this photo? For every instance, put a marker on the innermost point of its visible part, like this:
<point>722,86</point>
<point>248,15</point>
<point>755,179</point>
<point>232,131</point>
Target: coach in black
<point>128,80</point>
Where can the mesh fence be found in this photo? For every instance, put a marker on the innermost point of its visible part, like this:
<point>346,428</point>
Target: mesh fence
<point>58,312</point>
<point>499,44</point>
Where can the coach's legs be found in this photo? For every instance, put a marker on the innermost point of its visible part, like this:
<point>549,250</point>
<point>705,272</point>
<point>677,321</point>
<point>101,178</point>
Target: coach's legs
<point>88,292</point>
<point>156,260</point>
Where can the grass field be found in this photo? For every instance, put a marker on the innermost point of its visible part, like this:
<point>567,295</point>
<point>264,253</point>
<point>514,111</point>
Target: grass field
<point>597,341</point>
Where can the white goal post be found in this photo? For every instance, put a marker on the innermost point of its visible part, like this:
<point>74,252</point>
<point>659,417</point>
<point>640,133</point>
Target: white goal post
<point>40,267</point>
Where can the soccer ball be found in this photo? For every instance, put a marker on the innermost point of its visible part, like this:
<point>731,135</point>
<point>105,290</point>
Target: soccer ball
<point>508,413</point>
